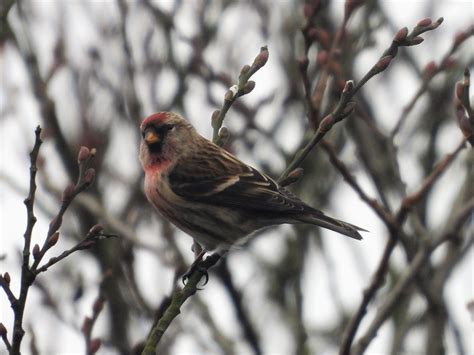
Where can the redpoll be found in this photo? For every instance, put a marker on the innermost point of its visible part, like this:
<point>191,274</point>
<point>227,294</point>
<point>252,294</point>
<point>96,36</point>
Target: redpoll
<point>210,194</point>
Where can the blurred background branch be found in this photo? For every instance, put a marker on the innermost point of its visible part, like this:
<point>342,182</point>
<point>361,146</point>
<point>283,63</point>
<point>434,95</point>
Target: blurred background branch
<point>89,72</point>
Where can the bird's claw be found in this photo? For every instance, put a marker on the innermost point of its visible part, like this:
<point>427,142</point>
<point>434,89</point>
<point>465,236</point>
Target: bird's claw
<point>196,268</point>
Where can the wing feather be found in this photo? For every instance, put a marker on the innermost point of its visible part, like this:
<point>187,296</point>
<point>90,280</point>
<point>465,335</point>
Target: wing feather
<point>222,179</point>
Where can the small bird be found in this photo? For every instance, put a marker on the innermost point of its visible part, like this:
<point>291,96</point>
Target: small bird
<point>210,194</point>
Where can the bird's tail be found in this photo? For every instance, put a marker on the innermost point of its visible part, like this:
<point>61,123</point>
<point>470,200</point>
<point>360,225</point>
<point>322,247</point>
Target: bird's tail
<point>320,219</point>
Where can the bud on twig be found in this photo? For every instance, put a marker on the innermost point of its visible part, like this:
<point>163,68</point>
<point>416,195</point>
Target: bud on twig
<point>249,86</point>
<point>3,330</point>
<point>416,41</point>
<point>326,123</point>
<point>215,118</point>
<point>36,251</point>
<point>382,64</point>
<point>425,22</point>
<point>245,69</point>
<point>350,107</point>
<point>53,240</point>
<point>84,154</point>
<point>89,176</point>
<point>262,58</point>
<point>94,345</point>
<point>6,277</point>
<point>292,177</point>
<point>86,325</point>
<point>348,87</point>
<point>95,230</point>
<point>430,69</point>
<point>68,193</point>
<point>401,35</point>
<point>230,94</point>
<point>98,305</point>
<point>224,135</point>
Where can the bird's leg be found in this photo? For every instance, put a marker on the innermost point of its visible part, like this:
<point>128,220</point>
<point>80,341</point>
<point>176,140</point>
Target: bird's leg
<point>195,265</point>
<point>197,249</point>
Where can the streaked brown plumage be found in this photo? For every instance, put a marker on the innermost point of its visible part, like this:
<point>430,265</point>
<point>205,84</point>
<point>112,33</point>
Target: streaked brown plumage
<point>212,195</point>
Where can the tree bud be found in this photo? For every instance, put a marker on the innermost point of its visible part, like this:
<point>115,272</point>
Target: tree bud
<point>224,135</point>
<point>3,330</point>
<point>68,193</point>
<point>425,22</point>
<point>430,69</point>
<point>249,86</point>
<point>53,239</point>
<point>98,305</point>
<point>401,35</point>
<point>89,176</point>
<point>86,325</point>
<point>348,87</point>
<point>6,277</point>
<point>36,251</point>
<point>326,123</point>
<point>94,345</point>
<point>416,41</point>
<point>292,177</point>
<point>229,95</point>
<point>245,69</point>
<point>383,63</point>
<point>261,58</point>
<point>96,229</point>
<point>84,154</point>
<point>215,118</point>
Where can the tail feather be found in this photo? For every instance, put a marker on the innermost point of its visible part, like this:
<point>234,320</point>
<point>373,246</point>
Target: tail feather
<point>333,224</point>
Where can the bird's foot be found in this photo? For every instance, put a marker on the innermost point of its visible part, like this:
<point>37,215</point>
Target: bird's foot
<point>196,266</point>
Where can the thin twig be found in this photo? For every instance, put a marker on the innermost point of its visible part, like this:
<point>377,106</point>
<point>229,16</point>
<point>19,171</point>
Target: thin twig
<point>243,87</point>
<point>378,278</point>
<point>26,276</point>
<point>177,300</point>
<point>391,300</point>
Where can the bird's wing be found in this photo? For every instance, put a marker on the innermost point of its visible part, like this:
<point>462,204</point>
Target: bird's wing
<point>222,179</point>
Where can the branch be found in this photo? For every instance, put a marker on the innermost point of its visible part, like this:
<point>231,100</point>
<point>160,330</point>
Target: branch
<point>177,300</point>
<point>345,107</point>
<point>243,87</point>
<point>95,234</point>
<point>26,276</point>
<point>379,209</point>
<point>395,228</point>
<point>3,334</point>
<point>431,70</point>
<point>377,281</point>
<point>391,300</point>
<point>29,273</point>
<point>412,199</point>
<point>93,345</point>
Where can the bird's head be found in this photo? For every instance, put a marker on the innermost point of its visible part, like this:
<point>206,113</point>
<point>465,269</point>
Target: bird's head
<point>164,137</point>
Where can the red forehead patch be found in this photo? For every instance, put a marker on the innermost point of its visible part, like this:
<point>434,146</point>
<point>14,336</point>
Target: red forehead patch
<point>155,118</point>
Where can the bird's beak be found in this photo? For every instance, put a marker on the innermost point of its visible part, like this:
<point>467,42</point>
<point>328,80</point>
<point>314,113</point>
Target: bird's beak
<point>151,137</point>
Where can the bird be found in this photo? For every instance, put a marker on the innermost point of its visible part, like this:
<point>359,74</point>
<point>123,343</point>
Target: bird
<point>212,195</point>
